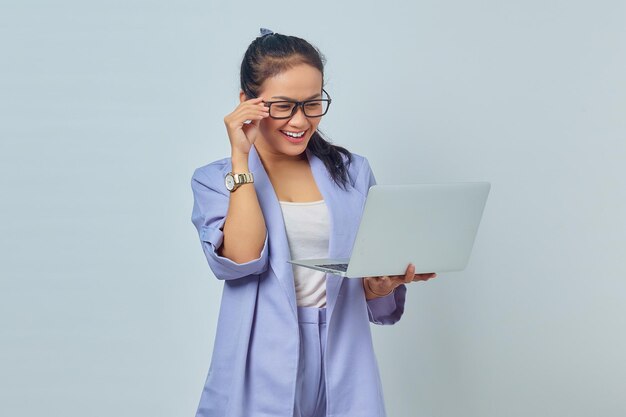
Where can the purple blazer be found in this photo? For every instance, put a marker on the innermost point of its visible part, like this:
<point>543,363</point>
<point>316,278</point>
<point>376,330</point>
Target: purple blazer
<point>255,356</point>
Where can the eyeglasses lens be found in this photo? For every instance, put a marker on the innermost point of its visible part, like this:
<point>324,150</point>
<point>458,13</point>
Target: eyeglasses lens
<point>313,108</point>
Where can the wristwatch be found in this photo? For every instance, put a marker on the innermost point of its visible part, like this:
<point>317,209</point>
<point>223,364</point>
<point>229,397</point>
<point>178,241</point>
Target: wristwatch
<point>234,181</point>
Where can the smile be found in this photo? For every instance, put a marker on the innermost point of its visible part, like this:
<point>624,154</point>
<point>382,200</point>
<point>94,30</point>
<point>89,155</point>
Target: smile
<point>294,137</point>
<point>293,134</point>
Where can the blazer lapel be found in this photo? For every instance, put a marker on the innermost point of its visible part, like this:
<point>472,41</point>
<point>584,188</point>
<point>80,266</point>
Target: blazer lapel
<point>277,241</point>
<point>344,212</point>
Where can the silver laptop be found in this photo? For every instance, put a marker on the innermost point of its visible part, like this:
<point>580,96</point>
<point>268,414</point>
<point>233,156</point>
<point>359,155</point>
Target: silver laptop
<point>432,226</point>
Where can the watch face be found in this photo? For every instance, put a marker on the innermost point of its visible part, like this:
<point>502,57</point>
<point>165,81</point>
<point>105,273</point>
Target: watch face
<point>230,182</point>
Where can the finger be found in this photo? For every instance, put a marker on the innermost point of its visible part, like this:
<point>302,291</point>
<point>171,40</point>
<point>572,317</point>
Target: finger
<point>255,106</point>
<point>245,116</point>
<point>424,277</point>
<point>410,273</point>
<point>251,105</point>
<point>256,120</point>
<point>255,116</point>
<point>255,103</point>
<point>255,109</point>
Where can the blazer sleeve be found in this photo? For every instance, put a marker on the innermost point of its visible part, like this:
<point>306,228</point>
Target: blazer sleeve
<point>385,310</point>
<point>208,216</point>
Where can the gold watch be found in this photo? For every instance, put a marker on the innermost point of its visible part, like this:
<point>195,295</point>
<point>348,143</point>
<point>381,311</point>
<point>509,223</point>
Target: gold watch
<point>234,181</point>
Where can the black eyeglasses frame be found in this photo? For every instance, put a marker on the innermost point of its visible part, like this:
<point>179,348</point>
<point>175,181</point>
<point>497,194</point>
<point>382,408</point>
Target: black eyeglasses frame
<point>301,105</point>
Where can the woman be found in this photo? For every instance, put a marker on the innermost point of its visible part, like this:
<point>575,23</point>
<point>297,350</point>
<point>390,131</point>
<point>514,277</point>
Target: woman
<point>290,341</point>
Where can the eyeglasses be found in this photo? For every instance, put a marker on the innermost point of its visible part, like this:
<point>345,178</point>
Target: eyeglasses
<point>285,109</point>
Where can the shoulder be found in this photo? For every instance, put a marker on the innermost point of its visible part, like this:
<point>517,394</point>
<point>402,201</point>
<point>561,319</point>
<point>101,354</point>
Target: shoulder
<point>212,175</point>
<point>358,168</point>
<point>358,162</point>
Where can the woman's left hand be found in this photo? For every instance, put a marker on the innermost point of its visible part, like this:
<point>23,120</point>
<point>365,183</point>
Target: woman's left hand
<point>381,286</point>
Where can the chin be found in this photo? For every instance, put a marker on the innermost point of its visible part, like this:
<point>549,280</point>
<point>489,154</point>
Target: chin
<point>294,150</point>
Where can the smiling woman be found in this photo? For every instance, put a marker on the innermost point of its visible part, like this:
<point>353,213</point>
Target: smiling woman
<point>290,342</point>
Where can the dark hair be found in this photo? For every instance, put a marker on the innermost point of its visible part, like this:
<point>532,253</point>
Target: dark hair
<point>271,54</point>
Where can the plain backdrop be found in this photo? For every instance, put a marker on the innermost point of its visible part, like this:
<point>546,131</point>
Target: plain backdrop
<point>107,304</point>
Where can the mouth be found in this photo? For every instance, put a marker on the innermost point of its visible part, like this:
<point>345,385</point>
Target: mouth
<point>294,137</point>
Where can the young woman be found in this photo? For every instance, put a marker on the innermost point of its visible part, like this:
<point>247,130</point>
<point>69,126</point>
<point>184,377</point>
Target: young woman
<point>290,341</point>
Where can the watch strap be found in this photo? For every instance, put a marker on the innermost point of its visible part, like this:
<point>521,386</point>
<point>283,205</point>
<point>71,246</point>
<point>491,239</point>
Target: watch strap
<point>243,177</point>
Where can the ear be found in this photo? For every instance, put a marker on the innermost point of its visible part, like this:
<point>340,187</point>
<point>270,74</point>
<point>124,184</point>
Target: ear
<point>242,96</point>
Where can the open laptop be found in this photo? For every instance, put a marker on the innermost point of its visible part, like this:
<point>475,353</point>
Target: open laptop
<point>432,226</point>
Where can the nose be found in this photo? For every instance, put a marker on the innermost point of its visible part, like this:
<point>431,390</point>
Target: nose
<point>298,119</point>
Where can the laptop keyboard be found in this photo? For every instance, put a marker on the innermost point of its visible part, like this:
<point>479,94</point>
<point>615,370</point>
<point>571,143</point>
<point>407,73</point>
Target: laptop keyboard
<point>336,267</point>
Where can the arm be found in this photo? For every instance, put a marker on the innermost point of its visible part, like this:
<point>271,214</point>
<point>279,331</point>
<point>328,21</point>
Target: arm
<point>231,226</point>
<point>244,229</point>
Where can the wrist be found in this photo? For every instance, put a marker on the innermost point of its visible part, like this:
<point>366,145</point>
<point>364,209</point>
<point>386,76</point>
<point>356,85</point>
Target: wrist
<point>239,162</point>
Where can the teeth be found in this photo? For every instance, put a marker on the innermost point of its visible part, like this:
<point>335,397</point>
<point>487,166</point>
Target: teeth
<point>294,135</point>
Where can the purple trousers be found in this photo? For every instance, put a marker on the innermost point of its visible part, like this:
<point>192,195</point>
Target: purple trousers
<point>310,385</point>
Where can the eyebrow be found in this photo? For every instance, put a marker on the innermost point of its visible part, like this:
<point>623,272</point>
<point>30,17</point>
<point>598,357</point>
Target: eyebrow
<point>293,99</point>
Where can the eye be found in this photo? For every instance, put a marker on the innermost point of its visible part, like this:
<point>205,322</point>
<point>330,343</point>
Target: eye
<point>284,106</point>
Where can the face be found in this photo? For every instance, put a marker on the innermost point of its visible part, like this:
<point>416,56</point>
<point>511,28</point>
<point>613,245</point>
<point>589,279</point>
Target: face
<point>299,83</point>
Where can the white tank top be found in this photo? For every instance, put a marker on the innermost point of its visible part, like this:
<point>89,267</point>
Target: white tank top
<point>308,230</point>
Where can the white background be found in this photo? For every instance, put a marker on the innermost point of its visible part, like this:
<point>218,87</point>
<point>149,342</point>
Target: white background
<point>107,305</point>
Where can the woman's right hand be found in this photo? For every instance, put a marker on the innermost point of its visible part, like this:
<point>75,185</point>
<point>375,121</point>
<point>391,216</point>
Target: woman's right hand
<point>242,135</point>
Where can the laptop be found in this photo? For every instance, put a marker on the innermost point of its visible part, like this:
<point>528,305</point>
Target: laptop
<point>432,226</point>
